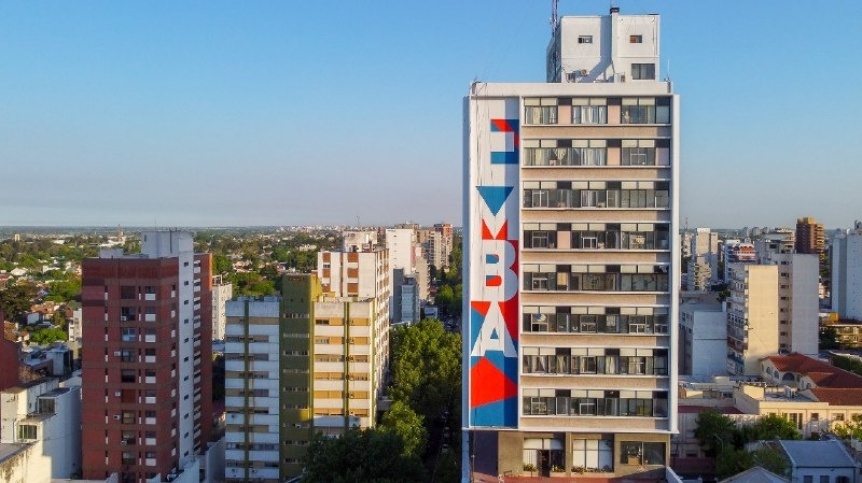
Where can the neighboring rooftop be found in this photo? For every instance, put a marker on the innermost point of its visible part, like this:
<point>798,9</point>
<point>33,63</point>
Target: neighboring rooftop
<point>755,475</point>
<point>8,450</point>
<point>823,374</point>
<point>818,454</point>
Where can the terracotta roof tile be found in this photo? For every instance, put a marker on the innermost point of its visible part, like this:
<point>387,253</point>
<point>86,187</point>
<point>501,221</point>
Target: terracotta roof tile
<point>823,374</point>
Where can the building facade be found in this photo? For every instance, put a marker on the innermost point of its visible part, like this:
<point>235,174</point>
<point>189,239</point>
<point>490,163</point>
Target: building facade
<point>296,365</point>
<point>702,340</point>
<point>847,274</point>
<point>147,362</point>
<point>810,237</point>
<point>752,317</point>
<point>572,257</point>
<point>222,292</point>
<point>41,421</point>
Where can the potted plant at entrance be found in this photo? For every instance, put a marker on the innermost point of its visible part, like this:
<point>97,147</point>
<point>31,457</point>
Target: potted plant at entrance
<point>558,471</point>
<point>530,467</point>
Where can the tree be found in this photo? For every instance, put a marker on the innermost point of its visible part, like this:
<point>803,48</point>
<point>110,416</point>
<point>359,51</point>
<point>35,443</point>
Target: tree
<point>360,455</point>
<point>850,364</point>
<point>714,431</point>
<point>733,461</point>
<point>426,368</point>
<point>47,336</point>
<point>64,290</point>
<point>445,298</point>
<point>221,264</point>
<point>849,429</point>
<point>407,425</point>
<point>828,339</point>
<point>773,426</point>
<point>16,300</point>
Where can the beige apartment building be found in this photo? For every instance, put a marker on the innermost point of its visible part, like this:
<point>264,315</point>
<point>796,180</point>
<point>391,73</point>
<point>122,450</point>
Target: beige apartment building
<point>752,317</point>
<point>296,365</point>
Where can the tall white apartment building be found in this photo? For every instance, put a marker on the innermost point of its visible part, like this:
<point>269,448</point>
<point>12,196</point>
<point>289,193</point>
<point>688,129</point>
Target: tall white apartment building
<point>571,253</point>
<point>847,273</point>
<point>222,292</point>
<point>798,302</point>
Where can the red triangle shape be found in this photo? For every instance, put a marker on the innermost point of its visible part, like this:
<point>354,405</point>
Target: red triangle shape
<point>489,385</point>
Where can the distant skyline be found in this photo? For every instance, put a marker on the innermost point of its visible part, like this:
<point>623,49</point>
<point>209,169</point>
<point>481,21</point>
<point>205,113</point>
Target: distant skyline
<point>297,113</point>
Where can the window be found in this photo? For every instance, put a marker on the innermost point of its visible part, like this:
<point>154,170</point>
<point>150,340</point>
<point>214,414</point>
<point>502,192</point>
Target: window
<point>540,111</point>
<point>808,479</point>
<point>824,478</point>
<point>589,111</point>
<point>636,39</point>
<point>26,431</point>
<point>128,334</point>
<point>642,453</point>
<point>128,375</point>
<point>585,39</point>
<point>643,71</point>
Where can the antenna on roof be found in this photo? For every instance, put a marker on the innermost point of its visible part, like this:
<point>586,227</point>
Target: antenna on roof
<point>554,17</point>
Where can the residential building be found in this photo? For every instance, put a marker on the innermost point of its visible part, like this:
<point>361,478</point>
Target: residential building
<point>704,242</point>
<point>700,273</point>
<point>147,363</point>
<point>811,393</point>
<point>685,244</point>
<point>702,340</point>
<point>847,273</point>
<point>253,388</point>
<point>401,242</point>
<point>405,261</point>
<point>848,332</point>
<point>445,229</point>
<point>297,365</point>
<point>409,303</point>
<point>737,252</point>
<point>821,461</point>
<point>571,252</point>
<point>41,424</point>
<point>222,292</point>
<point>810,237</point>
<point>798,302</point>
<point>438,249</point>
<point>9,357</point>
<point>361,271</point>
<point>752,317</point>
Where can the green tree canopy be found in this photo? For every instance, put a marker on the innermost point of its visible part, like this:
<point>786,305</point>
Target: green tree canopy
<point>16,300</point>
<point>407,425</point>
<point>426,368</point>
<point>47,336</point>
<point>714,431</point>
<point>774,426</point>
<point>360,455</point>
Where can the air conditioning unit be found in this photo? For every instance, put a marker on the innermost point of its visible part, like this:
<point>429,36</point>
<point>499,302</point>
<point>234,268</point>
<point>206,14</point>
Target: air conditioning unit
<point>117,417</point>
<point>123,442</point>
<point>118,353</point>
<point>584,72</point>
<point>118,394</point>
<point>124,318</point>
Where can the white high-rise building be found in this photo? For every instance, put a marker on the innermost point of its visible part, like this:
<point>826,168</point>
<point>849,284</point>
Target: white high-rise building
<point>847,274</point>
<point>222,292</point>
<point>571,252</point>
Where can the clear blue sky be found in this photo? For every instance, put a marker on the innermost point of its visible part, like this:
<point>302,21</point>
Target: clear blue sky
<point>251,113</point>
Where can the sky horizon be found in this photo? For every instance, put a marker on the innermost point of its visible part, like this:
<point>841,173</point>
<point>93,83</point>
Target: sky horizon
<point>321,113</point>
